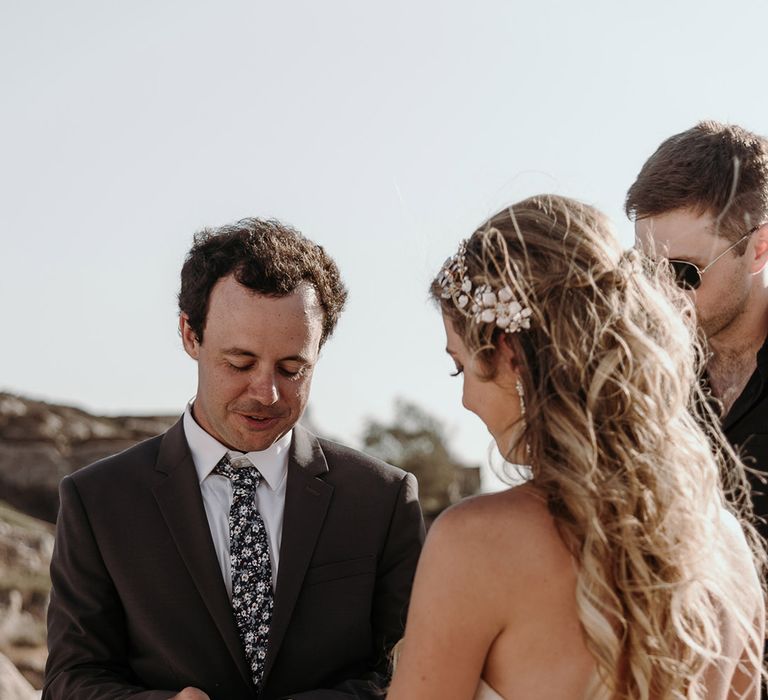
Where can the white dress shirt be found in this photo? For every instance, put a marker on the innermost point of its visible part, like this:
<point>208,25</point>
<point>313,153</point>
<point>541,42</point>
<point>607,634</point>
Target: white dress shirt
<point>216,489</point>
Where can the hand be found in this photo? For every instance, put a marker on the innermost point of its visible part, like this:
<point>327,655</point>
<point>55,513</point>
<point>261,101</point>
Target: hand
<point>191,694</point>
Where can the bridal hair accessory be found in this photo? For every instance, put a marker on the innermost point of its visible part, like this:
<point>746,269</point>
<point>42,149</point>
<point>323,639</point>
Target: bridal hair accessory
<point>501,308</point>
<point>484,304</point>
<point>452,278</point>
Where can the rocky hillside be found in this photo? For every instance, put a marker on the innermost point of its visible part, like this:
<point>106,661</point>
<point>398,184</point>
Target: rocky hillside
<point>26,545</point>
<point>40,443</point>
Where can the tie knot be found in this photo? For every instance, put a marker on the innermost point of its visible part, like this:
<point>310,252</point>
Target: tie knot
<point>240,461</point>
<point>239,469</point>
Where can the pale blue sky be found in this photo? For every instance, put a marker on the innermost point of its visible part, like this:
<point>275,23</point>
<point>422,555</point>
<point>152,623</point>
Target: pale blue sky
<point>385,131</point>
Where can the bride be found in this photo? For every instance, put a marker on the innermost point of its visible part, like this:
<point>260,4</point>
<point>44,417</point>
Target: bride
<point>619,570</point>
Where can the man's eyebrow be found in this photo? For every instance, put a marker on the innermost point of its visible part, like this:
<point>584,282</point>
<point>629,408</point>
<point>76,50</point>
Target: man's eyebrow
<point>688,258</point>
<point>296,358</point>
<point>648,250</point>
<point>240,352</point>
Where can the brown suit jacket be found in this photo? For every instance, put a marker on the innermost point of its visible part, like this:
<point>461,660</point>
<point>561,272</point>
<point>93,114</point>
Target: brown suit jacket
<point>139,608</point>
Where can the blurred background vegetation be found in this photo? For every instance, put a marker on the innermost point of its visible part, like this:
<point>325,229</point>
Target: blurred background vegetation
<point>417,442</point>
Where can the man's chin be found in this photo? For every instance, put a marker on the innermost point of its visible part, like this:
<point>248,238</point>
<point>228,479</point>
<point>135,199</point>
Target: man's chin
<point>255,436</point>
<point>246,444</point>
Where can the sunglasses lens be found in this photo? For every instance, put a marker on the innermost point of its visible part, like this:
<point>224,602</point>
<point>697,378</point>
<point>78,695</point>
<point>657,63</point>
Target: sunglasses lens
<point>686,274</point>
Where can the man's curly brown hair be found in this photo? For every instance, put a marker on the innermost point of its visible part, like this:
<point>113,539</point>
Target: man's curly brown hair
<point>268,257</point>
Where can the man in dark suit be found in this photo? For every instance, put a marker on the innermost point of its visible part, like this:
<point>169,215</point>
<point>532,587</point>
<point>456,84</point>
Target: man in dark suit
<point>701,202</point>
<point>237,555</point>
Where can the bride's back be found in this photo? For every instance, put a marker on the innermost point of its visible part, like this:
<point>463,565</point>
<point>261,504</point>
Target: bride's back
<point>540,651</point>
<point>495,596</point>
<point>530,581</point>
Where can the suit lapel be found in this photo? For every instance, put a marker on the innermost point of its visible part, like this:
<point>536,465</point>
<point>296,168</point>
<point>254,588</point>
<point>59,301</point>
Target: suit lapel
<point>181,503</point>
<point>306,502</point>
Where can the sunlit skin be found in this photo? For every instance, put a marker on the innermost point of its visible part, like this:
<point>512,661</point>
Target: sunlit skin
<point>728,299</point>
<point>494,595</point>
<point>191,694</point>
<point>495,402</point>
<point>255,363</point>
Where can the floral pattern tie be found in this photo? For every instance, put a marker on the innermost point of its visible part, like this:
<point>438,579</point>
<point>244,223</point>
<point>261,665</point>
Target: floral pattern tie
<point>252,598</point>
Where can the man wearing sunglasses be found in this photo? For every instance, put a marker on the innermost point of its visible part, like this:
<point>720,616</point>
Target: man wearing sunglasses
<point>701,202</point>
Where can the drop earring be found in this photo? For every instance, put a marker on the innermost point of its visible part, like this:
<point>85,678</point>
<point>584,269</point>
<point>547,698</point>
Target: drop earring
<point>521,394</point>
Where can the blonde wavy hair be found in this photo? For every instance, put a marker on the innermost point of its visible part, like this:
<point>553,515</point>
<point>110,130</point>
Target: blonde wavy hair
<point>623,443</point>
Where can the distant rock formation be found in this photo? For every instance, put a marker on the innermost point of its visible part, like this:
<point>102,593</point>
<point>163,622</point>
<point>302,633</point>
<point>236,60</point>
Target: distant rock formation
<point>40,443</point>
<point>26,545</point>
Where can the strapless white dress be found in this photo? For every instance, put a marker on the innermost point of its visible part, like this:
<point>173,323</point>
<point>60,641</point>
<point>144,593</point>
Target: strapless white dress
<point>485,692</point>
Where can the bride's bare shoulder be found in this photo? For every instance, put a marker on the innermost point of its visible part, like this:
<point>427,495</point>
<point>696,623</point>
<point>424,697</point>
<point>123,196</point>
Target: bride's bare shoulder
<point>522,506</point>
<point>512,528</point>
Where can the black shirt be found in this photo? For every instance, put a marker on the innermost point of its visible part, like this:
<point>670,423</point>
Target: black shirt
<point>746,427</point>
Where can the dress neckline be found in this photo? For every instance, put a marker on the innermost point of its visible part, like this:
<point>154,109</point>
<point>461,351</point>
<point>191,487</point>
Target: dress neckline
<point>486,692</point>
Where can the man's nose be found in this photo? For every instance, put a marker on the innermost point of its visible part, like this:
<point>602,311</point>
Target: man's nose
<point>263,387</point>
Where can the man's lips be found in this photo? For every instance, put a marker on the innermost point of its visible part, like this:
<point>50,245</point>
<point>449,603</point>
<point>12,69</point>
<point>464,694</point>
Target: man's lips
<point>259,421</point>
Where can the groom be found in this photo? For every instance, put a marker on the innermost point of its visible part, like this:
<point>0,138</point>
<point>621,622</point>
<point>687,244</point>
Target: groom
<point>236,556</point>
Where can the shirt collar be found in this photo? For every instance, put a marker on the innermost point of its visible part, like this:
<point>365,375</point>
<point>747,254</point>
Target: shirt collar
<point>207,451</point>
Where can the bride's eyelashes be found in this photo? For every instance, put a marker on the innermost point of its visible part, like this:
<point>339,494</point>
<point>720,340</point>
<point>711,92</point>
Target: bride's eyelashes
<point>459,370</point>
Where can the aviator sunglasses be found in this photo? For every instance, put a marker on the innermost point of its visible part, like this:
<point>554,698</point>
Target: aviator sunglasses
<point>688,276</point>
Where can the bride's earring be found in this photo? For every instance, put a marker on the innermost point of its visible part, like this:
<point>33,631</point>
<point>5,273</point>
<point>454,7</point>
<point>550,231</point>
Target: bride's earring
<point>521,394</point>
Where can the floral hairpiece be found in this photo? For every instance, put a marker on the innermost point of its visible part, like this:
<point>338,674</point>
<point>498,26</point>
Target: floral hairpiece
<point>486,305</point>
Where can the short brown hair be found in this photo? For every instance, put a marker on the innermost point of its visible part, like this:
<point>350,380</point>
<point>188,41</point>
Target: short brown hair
<point>713,168</point>
<point>266,256</point>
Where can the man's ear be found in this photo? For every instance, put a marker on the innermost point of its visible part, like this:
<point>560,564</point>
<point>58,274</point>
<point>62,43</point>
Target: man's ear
<point>761,249</point>
<point>188,337</point>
